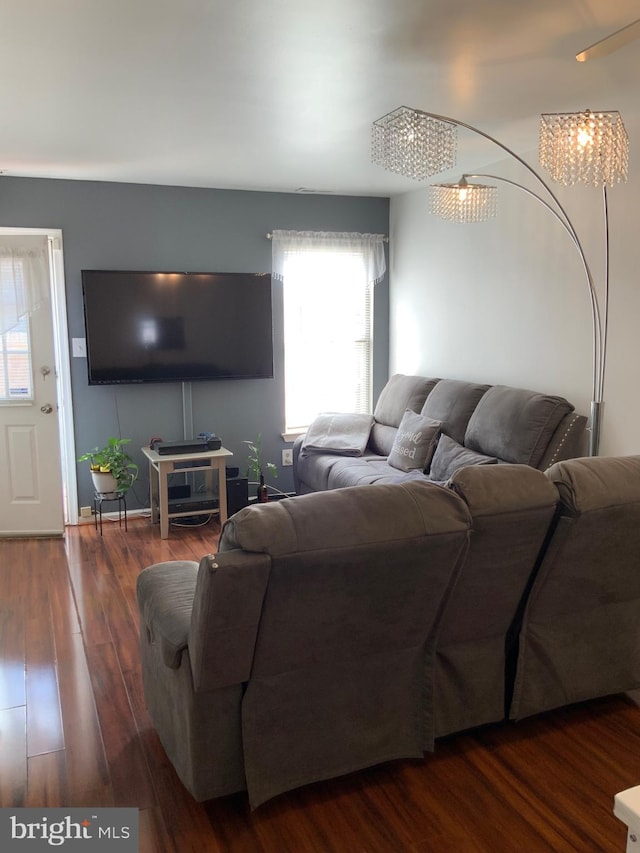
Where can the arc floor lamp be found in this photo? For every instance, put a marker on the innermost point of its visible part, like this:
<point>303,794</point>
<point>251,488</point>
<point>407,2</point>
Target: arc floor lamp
<point>585,147</point>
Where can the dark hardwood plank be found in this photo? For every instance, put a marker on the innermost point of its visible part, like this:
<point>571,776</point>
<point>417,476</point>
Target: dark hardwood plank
<point>153,832</point>
<point>12,653</point>
<point>129,772</point>
<point>64,615</point>
<point>87,771</point>
<point>47,780</point>
<point>87,592</point>
<point>44,718</point>
<point>44,721</point>
<point>12,625</point>
<point>68,615</point>
<point>13,757</point>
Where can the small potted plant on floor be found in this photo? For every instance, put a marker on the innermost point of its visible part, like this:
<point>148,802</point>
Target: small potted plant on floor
<point>257,467</point>
<point>112,469</point>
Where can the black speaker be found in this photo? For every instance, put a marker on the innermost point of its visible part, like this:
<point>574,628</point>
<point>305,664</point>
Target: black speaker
<point>237,494</point>
<point>176,492</point>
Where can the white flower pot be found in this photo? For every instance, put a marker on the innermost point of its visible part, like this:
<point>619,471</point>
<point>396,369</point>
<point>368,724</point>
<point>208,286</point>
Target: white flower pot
<point>104,482</point>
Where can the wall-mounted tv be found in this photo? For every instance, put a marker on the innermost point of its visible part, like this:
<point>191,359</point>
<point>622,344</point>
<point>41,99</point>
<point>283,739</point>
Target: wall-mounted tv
<point>177,326</point>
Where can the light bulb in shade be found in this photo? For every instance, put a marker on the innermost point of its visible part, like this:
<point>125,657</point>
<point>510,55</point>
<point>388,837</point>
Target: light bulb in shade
<point>585,137</point>
<point>585,130</point>
<point>587,147</point>
<point>463,202</point>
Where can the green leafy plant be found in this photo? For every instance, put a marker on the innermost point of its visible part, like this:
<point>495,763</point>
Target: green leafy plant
<point>257,467</point>
<point>112,459</point>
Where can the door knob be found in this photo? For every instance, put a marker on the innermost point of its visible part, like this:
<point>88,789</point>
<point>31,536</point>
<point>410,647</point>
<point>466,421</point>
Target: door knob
<point>47,409</point>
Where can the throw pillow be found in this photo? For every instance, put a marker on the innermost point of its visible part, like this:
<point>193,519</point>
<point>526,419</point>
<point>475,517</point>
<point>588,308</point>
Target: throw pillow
<point>415,442</point>
<point>450,456</point>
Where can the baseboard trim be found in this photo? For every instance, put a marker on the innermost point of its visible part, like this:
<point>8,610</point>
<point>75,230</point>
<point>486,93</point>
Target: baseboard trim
<point>113,516</point>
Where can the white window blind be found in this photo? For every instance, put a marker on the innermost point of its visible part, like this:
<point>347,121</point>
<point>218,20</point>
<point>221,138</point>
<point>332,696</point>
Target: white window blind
<point>328,311</point>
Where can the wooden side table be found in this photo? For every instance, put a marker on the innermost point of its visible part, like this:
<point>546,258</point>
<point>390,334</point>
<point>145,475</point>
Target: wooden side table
<point>161,466</point>
<point>626,807</point>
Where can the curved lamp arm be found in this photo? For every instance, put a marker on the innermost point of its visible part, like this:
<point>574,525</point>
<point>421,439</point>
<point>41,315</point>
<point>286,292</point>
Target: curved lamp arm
<point>562,213</point>
<point>599,344</point>
<point>599,329</point>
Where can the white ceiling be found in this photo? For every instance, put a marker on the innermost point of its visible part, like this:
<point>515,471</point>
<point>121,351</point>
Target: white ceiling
<point>280,94</point>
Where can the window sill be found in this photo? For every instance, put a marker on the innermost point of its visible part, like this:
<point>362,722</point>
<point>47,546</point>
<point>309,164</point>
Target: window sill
<point>291,436</point>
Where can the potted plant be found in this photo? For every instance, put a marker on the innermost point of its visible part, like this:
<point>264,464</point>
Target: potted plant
<point>112,469</point>
<point>257,467</point>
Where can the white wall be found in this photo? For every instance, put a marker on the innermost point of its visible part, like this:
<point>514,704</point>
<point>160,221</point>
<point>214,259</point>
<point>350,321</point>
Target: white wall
<point>506,302</point>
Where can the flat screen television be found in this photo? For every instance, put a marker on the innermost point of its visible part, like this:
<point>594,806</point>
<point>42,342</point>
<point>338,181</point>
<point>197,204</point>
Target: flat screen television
<point>177,326</point>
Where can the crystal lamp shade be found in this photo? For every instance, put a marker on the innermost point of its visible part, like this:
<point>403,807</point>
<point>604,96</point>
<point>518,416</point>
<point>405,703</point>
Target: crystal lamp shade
<point>463,202</point>
<point>588,147</point>
<point>413,143</point>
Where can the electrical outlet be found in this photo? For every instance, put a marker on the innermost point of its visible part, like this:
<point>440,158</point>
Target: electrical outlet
<point>287,457</point>
<point>79,347</point>
<point>85,512</point>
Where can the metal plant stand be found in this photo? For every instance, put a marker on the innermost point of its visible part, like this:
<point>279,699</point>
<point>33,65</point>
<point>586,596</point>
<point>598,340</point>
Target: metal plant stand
<point>98,500</point>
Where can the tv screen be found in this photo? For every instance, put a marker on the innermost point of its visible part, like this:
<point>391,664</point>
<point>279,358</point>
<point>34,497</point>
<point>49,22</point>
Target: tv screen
<point>177,327</point>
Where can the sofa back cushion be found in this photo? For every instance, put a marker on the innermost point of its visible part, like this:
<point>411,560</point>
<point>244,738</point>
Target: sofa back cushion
<point>579,637</point>
<point>399,394</point>
<point>512,507</point>
<point>514,424</point>
<point>342,670</point>
<point>452,402</point>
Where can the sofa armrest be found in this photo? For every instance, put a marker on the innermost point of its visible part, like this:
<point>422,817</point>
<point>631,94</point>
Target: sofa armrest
<point>226,614</point>
<point>568,441</point>
<point>295,454</point>
<point>165,594</point>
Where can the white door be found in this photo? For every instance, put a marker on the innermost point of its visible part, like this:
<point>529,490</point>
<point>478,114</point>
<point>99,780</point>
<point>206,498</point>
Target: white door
<point>31,490</point>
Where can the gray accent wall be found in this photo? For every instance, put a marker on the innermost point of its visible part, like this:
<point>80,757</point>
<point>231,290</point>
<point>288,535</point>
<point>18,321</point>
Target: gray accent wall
<point>136,226</point>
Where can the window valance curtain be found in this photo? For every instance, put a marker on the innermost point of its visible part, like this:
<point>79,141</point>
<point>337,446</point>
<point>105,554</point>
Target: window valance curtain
<point>369,246</point>
<point>24,277</point>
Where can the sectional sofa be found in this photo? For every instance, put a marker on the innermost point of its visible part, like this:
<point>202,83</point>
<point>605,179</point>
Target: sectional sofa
<point>336,630</point>
<point>428,428</point>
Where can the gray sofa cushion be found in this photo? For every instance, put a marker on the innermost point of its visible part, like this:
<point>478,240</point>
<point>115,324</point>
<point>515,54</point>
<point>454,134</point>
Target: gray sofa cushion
<point>399,394</point>
<point>369,472</point>
<point>415,442</point>
<point>452,402</point>
<point>165,596</point>
<point>342,671</point>
<point>313,469</point>
<point>359,472</point>
<point>579,636</point>
<point>512,507</point>
<point>450,456</point>
<point>382,438</point>
<point>514,424</point>
<point>587,484</point>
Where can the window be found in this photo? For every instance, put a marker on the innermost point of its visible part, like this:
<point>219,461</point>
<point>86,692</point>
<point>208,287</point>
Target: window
<point>16,382</point>
<point>328,312</point>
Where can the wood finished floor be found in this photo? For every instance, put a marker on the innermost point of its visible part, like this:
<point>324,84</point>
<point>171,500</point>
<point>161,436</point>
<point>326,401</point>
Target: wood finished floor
<point>74,731</point>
